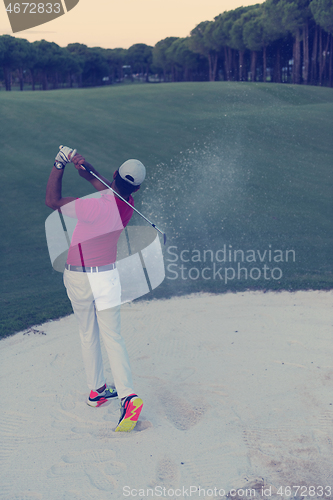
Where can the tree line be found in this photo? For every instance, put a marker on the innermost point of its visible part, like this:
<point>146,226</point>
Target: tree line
<point>283,41</point>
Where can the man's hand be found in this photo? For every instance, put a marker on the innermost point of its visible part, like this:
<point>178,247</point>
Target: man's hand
<point>64,156</point>
<point>78,160</point>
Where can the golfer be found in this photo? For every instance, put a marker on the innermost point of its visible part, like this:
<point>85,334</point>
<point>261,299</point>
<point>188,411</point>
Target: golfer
<point>91,277</point>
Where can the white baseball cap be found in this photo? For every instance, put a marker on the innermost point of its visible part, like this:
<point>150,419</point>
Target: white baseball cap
<point>132,171</point>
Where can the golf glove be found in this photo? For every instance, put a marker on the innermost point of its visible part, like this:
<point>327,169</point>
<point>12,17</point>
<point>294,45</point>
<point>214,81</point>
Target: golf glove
<point>62,157</point>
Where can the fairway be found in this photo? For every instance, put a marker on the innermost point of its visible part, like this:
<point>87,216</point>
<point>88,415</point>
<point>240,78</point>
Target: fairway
<point>239,176</point>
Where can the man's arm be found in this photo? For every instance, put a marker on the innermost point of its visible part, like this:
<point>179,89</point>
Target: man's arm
<point>53,198</point>
<point>78,160</point>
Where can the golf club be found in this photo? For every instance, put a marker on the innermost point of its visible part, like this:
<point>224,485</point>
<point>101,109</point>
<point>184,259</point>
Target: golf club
<point>121,198</point>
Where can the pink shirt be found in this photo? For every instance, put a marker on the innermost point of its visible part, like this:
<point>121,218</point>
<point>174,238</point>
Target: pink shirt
<point>100,222</point>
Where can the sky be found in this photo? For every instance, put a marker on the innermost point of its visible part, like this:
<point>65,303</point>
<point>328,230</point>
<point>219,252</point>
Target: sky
<point>111,24</point>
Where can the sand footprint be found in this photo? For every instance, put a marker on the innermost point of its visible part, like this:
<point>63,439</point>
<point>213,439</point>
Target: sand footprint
<point>98,466</point>
<point>179,411</point>
<point>167,473</point>
<point>213,466</point>
<point>289,460</point>
<point>104,479</point>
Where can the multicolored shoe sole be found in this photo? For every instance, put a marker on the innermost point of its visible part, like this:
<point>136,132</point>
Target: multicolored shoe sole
<point>95,399</point>
<point>96,404</point>
<point>131,412</point>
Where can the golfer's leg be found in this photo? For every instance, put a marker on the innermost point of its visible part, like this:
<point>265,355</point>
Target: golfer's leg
<point>90,344</point>
<point>109,326</point>
<point>80,295</point>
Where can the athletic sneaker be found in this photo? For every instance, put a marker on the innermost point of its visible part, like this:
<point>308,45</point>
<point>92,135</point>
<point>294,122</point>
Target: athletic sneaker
<point>97,398</point>
<point>130,410</point>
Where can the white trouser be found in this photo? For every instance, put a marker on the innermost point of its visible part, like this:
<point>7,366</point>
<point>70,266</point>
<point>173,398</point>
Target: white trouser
<point>94,319</point>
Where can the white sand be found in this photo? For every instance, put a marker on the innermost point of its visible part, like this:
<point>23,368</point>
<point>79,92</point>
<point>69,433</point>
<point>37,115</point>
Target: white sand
<point>237,390</point>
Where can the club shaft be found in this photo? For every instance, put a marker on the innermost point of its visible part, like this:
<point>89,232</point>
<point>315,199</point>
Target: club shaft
<point>121,198</point>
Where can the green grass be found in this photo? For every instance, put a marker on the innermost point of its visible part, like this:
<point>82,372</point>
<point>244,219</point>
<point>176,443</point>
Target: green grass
<point>240,164</point>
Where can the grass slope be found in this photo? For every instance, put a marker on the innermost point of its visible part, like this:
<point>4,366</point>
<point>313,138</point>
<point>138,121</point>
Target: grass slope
<point>244,165</point>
